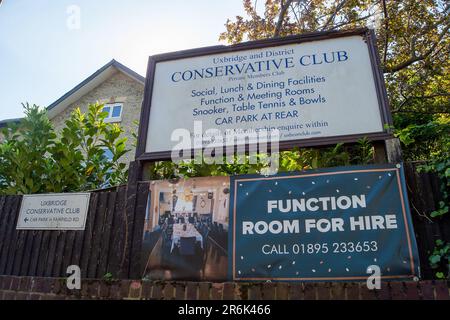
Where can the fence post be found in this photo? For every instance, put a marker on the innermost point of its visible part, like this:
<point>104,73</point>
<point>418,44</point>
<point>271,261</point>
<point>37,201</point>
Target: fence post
<point>134,174</point>
<point>387,151</point>
<point>379,150</point>
<point>394,150</point>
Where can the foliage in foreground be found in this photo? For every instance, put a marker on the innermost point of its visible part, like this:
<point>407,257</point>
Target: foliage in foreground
<point>34,158</point>
<point>440,258</point>
<point>295,160</point>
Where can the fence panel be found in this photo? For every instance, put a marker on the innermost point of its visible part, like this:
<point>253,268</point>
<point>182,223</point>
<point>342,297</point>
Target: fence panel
<point>103,247</point>
<point>112,239</point>
<point>424,195</point>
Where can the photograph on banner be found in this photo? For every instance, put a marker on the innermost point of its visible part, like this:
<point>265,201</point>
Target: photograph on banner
<point>322,225</point>
<point>186,229</point>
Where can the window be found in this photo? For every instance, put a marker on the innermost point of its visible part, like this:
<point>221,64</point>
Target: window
<point>108,154</point>
<point>114,112</point>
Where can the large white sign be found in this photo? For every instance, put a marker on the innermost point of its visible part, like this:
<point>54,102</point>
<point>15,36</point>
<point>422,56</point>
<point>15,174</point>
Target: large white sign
<point>58,211</point>
<point>314,89</point>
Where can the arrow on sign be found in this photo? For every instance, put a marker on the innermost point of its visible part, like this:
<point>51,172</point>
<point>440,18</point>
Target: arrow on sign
<point>26,219</point>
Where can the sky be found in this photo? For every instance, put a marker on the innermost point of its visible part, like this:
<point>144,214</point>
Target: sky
<point>45,50</point>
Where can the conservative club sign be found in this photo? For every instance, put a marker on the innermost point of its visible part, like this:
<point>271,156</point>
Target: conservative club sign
<point>54,211</point>
<point>320,88</point>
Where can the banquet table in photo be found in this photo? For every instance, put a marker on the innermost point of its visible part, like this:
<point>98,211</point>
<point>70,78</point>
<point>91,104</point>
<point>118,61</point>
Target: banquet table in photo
<point>179,232</point>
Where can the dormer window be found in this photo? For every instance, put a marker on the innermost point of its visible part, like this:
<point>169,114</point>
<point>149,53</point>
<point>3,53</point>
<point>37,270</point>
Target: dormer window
<point>114,111</point>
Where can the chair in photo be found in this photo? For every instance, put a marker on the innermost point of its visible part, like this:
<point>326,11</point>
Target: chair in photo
<point>166,246</point>
<point>205,232</point>
<point>167,241</point>
<point>215,231</point>
<point>164,236</point>
<point>154,236</point>
<point>222,235</point>
<point>187,246</point>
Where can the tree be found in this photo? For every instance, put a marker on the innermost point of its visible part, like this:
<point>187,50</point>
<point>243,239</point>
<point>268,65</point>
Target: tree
<point>413,42</point>
<point>36,159</point>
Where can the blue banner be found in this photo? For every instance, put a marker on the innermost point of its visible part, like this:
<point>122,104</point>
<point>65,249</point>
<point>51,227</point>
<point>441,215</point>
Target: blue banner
<point>321,225</point>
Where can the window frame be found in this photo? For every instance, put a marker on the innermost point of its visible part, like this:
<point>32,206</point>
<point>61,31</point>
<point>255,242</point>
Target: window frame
<point>111,106</point>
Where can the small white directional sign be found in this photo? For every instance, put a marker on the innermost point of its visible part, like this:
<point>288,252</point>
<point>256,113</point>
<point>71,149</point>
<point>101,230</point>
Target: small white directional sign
<point>56,211</point>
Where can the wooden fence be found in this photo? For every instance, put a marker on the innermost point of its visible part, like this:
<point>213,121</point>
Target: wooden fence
<point>110,242</point>
<point>424,195</point>
<point>112,239</point>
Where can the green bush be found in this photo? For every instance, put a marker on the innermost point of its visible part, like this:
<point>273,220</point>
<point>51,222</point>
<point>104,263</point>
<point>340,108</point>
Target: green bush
<point>296,160</point>
<point>34,158</point>
<point>440,259</point>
